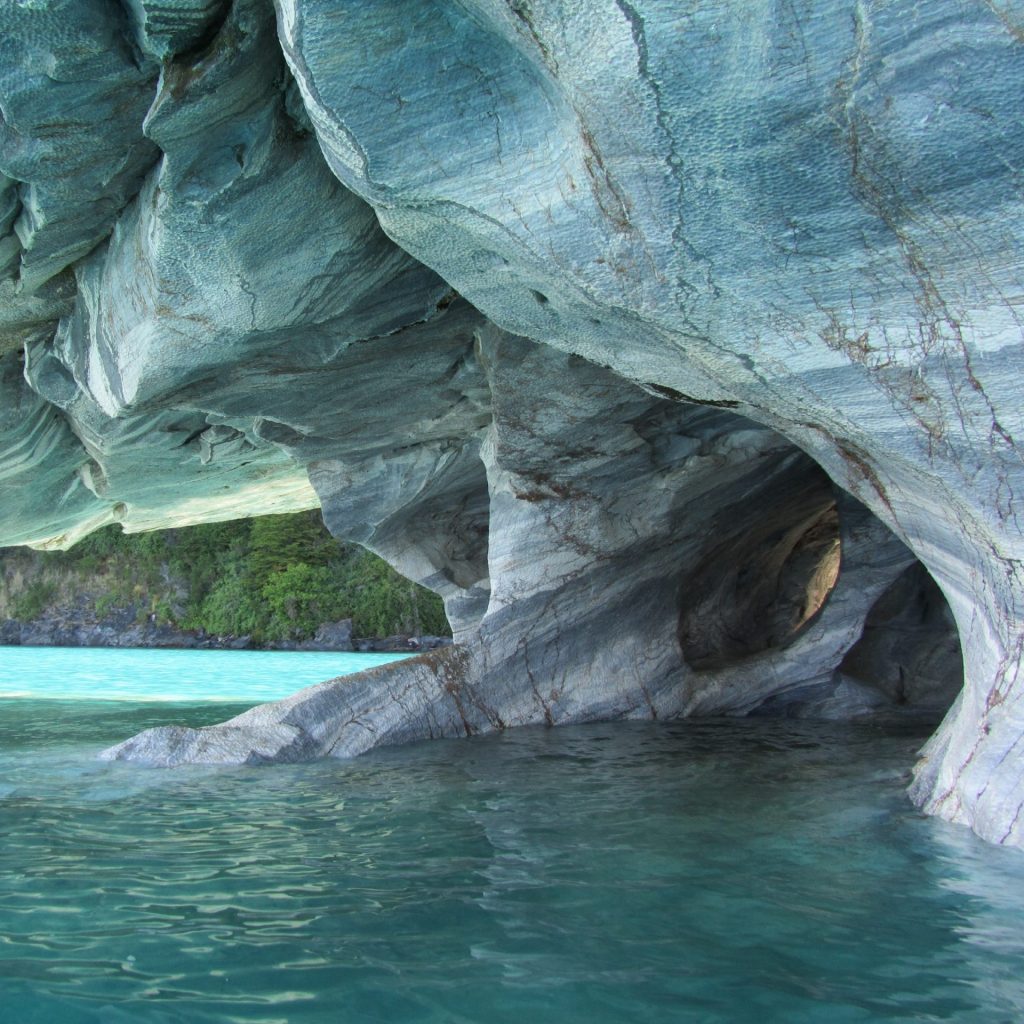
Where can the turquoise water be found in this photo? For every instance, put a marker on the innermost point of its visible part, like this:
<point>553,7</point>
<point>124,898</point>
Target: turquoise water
<point>107,673</point>
<point>754,871</point>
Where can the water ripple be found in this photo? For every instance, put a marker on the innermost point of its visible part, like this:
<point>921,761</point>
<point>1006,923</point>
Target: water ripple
<point>711,872</point>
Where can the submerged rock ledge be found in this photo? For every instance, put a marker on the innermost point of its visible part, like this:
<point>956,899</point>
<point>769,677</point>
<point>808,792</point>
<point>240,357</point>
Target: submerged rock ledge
<point>679,371</point>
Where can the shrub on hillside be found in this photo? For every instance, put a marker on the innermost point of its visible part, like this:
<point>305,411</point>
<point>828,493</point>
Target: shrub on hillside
<point>31,602</point>
<point>274,578</point>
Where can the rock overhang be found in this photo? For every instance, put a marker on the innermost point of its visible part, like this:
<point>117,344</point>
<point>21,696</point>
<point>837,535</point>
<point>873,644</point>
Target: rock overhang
<point>231,277</point>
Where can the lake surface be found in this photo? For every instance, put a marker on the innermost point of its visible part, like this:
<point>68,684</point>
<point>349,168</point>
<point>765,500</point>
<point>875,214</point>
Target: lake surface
<point>740,871</point>
<point>107,673</point>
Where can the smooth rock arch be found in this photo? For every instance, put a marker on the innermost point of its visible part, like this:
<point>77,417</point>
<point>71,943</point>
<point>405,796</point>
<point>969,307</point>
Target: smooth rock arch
<point>808,217</point>
<point>813,215</point>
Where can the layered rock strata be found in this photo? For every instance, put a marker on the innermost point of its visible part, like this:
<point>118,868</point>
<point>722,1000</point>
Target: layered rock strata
<point>584,345</point>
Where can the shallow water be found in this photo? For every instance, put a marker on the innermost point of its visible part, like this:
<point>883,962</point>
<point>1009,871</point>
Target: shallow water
<point>105,673</point>
<point>721,871</point>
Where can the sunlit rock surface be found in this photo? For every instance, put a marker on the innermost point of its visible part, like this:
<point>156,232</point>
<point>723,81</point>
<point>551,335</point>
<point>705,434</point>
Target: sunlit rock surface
<point>576,314</point>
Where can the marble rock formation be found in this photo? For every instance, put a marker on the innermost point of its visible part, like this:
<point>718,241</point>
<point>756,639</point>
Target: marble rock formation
<point>675,346</point>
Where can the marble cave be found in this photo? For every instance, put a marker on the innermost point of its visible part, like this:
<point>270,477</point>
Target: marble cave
<point>678,347</point>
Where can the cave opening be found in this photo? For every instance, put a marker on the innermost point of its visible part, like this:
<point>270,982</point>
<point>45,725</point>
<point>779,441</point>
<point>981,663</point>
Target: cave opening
<point>771,569</point>
<point>909,650</point>
<point>802,603</point>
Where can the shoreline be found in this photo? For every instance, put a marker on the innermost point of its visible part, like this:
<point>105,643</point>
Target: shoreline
<point>330,637</point>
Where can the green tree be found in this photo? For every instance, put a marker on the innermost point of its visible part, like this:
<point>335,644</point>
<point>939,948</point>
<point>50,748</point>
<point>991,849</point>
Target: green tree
<point>276,542</point>
<point>233,608</point>
<point>274,578</point>
<point>299,599</point>
<point>382,602</point>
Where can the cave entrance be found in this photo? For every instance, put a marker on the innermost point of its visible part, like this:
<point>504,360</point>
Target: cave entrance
<point>802,603</point>
<point>909,650</point>
<point>770,573</point>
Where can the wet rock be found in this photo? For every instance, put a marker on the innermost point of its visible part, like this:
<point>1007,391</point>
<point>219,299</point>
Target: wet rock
<point>716,213</point>
<point>413,699</point>
<point>909,649</point>
<point>594,487</point>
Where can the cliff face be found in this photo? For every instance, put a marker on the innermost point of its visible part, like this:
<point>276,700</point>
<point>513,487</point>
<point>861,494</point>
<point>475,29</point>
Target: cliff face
<point>591,321</point>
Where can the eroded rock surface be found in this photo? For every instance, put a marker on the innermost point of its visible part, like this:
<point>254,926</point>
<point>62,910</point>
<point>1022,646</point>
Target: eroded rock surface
<point>602,505</point>
<point>585,317</point>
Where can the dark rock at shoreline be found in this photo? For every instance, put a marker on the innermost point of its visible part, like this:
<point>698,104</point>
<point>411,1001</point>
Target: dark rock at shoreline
<point>331,636</point>
<point>400,643</point>
<point>61,633</point>
<point>68,632</point>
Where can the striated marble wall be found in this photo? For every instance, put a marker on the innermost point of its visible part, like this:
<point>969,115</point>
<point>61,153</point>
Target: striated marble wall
<point>590,317</point>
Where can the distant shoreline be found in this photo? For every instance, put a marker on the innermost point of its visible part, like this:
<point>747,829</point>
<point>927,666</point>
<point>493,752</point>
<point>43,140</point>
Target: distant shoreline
<point>331,637</point>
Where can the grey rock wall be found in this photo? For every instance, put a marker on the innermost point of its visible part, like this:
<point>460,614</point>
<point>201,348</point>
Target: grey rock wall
<point>570,540</point>
<point>579,315</point>
<point>810,212</point>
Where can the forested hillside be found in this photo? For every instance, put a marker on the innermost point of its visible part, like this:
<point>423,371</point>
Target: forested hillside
<point>274,579</point>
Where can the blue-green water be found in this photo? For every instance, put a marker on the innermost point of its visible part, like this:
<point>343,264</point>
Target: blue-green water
<point>107,673</point>
<point>712,872</point>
